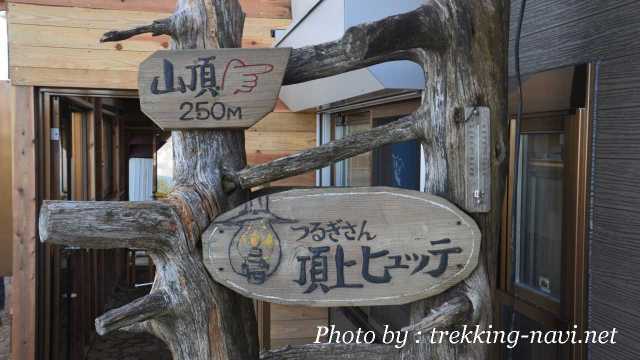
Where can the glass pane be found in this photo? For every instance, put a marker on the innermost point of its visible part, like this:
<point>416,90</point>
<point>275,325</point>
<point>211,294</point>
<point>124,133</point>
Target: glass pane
<point>539,213</point>
<point>355,171</point>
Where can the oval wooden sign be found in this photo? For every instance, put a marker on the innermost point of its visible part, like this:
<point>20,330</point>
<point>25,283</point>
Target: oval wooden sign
<point>217,88</point>
<point>342,247</point>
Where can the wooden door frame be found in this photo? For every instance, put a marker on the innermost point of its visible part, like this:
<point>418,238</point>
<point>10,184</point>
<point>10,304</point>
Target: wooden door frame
<point>575,294</point>
<point>37,341</point>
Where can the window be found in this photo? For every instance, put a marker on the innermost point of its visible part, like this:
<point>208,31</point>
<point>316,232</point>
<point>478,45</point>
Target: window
<point>4,47</point>
<point>542,284</point>
<point>396,165</point>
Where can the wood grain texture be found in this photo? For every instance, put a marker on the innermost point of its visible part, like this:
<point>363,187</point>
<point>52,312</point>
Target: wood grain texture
<point>58,46</point>
<point>280,134</point>
<point>258,249</point>
<point>324,155</point>
<point>6,187</point>
<point>292,312</point>
<point>241,87</point>
<point>278,9</point>
<point>23,291</point>
<point>368,44</point>
<point>333,352</point>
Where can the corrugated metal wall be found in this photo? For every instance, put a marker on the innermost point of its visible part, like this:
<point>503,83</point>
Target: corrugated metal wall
<point>564,32</point>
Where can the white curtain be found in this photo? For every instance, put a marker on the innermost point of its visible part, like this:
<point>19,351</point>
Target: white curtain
<point>140,179</point>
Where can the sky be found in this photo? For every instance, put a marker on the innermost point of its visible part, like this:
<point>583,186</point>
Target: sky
<point>4,52</point>
<point>165,159</point>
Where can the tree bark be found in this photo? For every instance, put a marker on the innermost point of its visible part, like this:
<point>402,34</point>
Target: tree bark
<point>470,72</point>
<point>461,46</point>
<point>324,155</point>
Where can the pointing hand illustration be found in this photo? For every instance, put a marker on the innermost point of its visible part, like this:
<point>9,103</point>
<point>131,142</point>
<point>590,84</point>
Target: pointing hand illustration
<point>240,77</point>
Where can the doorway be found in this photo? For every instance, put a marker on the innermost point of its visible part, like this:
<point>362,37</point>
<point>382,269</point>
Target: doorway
<point>86,141</point>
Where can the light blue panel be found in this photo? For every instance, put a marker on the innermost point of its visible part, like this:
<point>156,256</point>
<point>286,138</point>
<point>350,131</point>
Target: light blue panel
<point>396,74</point>
<point>399,75</point>
<point>359,11</point>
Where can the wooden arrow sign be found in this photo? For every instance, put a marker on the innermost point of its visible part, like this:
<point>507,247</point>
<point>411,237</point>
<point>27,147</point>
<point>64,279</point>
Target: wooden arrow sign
<point>342,247</point>
<point>221,88</point>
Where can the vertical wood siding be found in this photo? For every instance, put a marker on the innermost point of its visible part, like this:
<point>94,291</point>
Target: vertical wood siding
<point>55,43</point>
<point>23,300</point>
<point>559,33</point>
<point>6,219</point>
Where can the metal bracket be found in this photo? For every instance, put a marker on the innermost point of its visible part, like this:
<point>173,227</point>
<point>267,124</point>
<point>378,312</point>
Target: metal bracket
<point>477,168</point>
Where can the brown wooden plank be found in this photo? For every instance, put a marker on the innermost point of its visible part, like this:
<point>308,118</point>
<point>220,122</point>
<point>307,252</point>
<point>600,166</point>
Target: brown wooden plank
<point>257,35</point>
<point>295,329</point>
<point>82,78</point>
<point>253,8</point>
<point>255,29</point>
<point>281,107</point>
<point>304,180</point>
<point>23,292</point>
<point>287,122</point>
<point>79,17</point>
<point>279,141</point>
<point>65,58</point>
<point>261,249</point>
<point>243,89</point>
<point>78,38</point>
<point>58,46</point>
<point>258,157</point>
<point>280,343</point>
<point>6,217</point>
<point>289,312</point>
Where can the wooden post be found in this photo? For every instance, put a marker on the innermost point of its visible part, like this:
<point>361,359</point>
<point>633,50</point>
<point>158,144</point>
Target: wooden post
<point>461,46</point>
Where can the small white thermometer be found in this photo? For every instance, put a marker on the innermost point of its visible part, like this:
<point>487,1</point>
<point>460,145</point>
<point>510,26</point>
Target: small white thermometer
<point>477,145</point>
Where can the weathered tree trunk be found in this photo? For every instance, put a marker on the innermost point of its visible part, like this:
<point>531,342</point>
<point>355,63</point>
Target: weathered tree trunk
<point>461,46</point>
<point>196,317</point>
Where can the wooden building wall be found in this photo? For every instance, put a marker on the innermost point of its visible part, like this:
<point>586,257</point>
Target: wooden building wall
<point>5,180</point>
<point>564,32</point>
<point>54,43</point>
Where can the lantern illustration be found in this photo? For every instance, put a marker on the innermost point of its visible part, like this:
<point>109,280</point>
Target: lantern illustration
<point>255,251</point>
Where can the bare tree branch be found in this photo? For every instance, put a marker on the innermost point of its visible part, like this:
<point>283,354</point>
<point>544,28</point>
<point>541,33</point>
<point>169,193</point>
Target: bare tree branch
<point>321,156</point>
<point>392,38</point>
<point>334,352</point>
<point>147,307</point>
<point>108,224</point>
<point>158,27</point>
<point>450,313</point>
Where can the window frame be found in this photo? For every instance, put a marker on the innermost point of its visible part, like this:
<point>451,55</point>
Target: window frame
<point>573,305</point>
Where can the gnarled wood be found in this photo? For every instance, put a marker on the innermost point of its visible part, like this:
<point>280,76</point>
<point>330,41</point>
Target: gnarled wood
<point>460,44</point>
<point>145,308</point>
<point>108,224</point>
<point>324,155</point>
<point>392,38</point>
<point>334,352</point>
<point>156,28</point>
<point>202,320</point>
<point>449,313</point>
